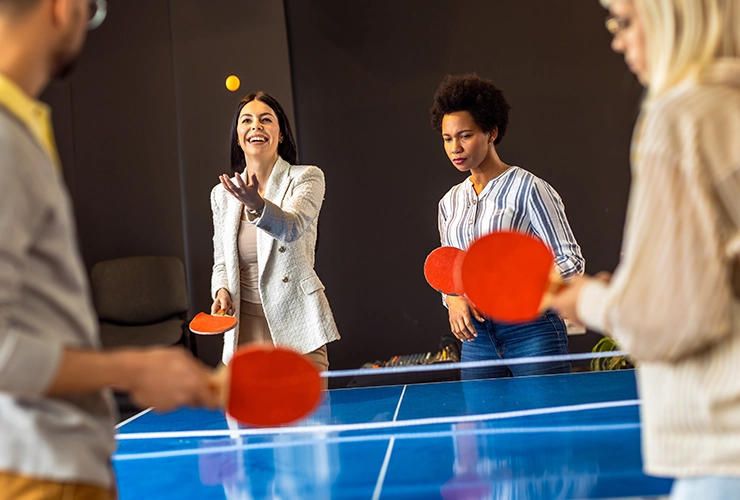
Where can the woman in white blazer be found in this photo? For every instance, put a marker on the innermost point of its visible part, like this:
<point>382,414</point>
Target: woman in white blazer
<point>265,220</point>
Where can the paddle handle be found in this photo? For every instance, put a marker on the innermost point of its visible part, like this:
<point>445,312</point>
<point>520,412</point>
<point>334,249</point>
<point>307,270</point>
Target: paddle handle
<point>555,285</point>
<point>219,384</point>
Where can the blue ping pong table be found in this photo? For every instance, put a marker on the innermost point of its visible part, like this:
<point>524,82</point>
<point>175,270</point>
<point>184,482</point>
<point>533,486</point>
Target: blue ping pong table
<point>546,437</point>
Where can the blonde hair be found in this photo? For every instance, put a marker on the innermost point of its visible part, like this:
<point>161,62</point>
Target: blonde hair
<point>684,37</point>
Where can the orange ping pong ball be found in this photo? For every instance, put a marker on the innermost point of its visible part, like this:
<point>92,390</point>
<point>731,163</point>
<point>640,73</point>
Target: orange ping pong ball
<point>233,83</point>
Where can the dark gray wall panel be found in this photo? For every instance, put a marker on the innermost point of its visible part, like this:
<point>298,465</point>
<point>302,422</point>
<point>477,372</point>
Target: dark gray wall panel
<point>142,130</point>
<point>364,74</point>
<point>126,182</point>
<point>142,125</point>
<point>211,40</point>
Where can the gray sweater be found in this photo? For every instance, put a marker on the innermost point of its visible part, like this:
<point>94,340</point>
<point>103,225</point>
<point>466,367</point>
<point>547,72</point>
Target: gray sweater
<point>44,307</point>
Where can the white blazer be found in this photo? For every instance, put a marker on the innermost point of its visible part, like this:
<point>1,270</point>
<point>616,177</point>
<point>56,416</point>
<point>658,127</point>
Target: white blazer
<point>292,295</point>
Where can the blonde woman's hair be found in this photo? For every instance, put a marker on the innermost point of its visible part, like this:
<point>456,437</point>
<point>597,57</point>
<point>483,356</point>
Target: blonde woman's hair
<point>683,37</point>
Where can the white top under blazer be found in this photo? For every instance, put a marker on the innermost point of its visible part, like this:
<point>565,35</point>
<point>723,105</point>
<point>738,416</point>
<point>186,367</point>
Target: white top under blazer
<point>292,295</point>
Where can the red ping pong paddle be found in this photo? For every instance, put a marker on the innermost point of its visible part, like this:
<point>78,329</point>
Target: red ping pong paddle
<point>267,386</point>
<point>212,324</point>
<point>509,276</point>
<point>439,269</point>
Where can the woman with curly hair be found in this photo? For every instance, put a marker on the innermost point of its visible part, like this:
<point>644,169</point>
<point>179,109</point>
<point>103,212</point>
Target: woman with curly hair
<point>472,115</point>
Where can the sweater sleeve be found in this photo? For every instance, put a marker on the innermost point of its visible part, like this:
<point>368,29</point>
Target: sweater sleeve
<point>27,364</point>
<point>670,296</point>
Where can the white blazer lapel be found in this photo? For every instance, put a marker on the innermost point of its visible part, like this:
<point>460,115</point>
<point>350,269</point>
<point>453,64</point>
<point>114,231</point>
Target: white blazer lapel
<point>278,183</point>
<point>277,188</point>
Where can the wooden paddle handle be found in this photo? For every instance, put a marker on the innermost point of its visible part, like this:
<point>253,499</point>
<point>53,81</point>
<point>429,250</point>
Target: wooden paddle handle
<point>219,384</point>
<point>555,285</point>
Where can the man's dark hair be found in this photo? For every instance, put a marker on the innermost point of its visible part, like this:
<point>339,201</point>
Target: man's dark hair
<point>17,7</point>
<point>480,97</point>
<point>286,149</point>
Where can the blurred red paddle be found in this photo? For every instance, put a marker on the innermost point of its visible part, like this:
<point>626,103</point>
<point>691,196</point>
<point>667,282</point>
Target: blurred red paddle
<point>267,386</point>
<point>212,324</point>
<point>439,269</point>
<point>509,276</point>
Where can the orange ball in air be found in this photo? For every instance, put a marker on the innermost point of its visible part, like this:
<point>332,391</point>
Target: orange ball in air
<point>233,83</point>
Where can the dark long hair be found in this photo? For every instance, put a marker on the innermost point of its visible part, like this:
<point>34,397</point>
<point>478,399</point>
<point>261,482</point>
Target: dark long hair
<point>286,149</point>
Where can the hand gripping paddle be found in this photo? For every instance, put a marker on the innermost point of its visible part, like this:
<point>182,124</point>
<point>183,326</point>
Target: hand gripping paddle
<point>212,324</point>
<point>439,269</point>
<point>509,276</point>
<point>267,386</point>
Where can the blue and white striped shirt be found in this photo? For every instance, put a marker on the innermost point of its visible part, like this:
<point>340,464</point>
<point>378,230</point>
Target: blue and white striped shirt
<point>516,200</point>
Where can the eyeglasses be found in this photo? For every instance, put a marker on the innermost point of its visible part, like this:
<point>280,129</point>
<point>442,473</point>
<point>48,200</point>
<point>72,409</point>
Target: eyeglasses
<point>98,11</point>
<point>616,25</point>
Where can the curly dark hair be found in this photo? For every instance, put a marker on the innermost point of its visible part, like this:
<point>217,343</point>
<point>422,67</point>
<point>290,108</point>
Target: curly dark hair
<point>478,96</point>
<point>287,149</point>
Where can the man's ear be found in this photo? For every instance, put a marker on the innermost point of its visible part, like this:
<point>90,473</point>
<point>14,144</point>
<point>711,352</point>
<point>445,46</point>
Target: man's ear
<point>61,12</point>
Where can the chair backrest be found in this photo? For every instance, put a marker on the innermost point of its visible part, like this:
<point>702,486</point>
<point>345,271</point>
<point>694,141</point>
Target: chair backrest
<point>139,290</point>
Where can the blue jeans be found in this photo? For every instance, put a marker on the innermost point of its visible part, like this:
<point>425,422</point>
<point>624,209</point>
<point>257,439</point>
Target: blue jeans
<point>706,488</point>
<point>542,337</point>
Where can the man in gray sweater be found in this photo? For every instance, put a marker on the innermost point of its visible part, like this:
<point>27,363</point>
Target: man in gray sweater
<point>56,416</point>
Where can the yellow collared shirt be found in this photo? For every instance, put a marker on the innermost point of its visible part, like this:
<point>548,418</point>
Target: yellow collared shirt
<point>34,114</point>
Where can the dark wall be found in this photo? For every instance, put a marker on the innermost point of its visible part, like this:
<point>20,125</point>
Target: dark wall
<point>116,130</point>
<point>364,75</point>
<point>142,126</point>
<point>211,40</point>
<point>142,130</point>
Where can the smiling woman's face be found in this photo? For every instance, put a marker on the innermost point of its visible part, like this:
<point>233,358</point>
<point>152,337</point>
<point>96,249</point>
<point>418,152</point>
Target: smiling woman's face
<point>258,130</point>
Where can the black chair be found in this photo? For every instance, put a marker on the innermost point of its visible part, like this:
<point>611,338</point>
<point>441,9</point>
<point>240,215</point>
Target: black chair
<point>141,301</point>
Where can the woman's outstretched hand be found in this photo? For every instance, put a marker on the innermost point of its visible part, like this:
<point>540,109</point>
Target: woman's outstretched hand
<point>247,193</point>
